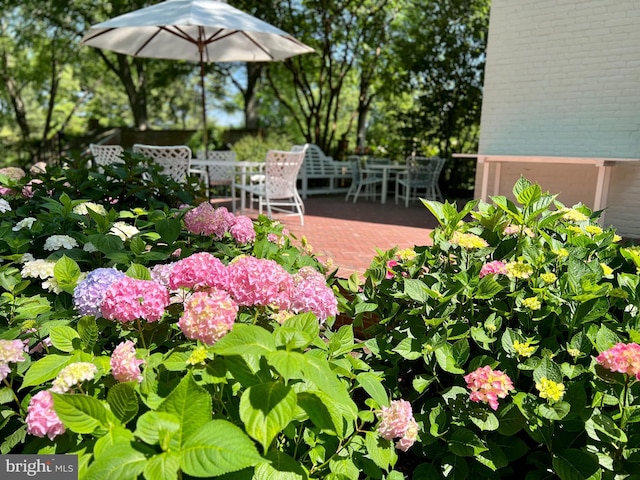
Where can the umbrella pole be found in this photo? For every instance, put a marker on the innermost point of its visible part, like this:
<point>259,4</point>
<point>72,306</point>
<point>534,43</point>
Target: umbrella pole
<point>204,106</point>
<point>205,137</point>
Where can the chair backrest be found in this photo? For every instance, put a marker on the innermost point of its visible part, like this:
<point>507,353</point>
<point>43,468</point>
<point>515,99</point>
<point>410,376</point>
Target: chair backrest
<point>174,160</point>
<point>425,170</point>
<point>219,174</point>
<point>377,161</point>
<point>281,173</point>
<point>106,154</point>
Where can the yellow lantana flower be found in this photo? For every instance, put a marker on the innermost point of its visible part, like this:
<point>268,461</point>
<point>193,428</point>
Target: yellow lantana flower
<point>532,303</point>
<point>468,240</point>
<point>198,355</point>
<point>550,390</point>
<point>524,349</point>
<point>519,269</point>
<point>548,277</point>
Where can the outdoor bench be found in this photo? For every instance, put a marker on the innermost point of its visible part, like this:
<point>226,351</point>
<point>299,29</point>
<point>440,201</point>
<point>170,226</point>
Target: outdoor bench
<point>322,174</point>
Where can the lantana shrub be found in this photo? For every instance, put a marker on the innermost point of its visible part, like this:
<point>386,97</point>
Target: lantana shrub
<point>515,338</point>
<point>163,339</point>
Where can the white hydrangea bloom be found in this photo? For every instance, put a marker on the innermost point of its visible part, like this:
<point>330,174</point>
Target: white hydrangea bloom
<point>73,374</point>
<point>38,269</point>
<point>4,206</point>
<point>56,242</point>
<point>123,230</point>
<point>52,285</point>
<point>89,247</point>
<point>81,209</point>
<point>27,257</point>
<point>24,223</point>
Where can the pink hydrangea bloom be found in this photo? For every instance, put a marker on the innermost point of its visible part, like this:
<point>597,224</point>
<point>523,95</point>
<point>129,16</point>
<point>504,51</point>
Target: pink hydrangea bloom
<point>623,358</point>
<point>200,270</point>
<point>311,294</point>
<point>493,268</point>
<point>208,316</point>
<point>242,230</point>
<point>128,299</point>
<point>125,367</point>
<point>396,421</point>
<point>41,417</point>
<point>161,273</point>
<point>487,385</point>
<point>5,370</point>
<point>11,351</point>
<point>259,281</point>
<point>200,220</point>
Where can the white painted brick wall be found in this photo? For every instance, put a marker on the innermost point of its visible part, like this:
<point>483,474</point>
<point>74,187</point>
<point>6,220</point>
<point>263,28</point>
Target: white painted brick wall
<point>563,79</point>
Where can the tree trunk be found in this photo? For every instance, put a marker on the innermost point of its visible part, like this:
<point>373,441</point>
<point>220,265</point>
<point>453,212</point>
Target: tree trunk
<point>136,91</point>
<point>254,73</point>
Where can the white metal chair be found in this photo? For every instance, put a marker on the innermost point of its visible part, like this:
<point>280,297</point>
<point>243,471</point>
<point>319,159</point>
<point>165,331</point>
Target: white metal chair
<point>278,191</point>
<point>362,178</point>
<point>106,154</point>
<point>218,169</point>
<point>174,160</point>
<point>421,179</point>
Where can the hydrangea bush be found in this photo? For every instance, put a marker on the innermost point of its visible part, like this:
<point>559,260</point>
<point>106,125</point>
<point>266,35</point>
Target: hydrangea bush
<point>515,338</point>
<point>161,340</point>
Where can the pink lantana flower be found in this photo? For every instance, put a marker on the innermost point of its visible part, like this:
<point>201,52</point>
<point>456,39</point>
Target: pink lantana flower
<point>396,421</point>
<point>41,417</point>
<point>390,265</point>
<point>125,367</point>
<point>208,316</point>
<point>622,358</point>
<point>493,268</point>
<point>488,385</point>
<point>129,299</point>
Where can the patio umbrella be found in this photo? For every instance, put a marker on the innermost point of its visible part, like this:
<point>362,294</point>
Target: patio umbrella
<point>194,30</point>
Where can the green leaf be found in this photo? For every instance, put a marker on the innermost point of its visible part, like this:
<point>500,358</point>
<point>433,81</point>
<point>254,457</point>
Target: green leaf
<point>123,401</point>
<point>245,339</point>
<point>529,195</point>
<point>465,443</point>
<point>381,451</point>
<point>80,413</point>
<point>488,287</point>
<point>292,339</point>
<point>446,360</point>
<point>157,427</point>
<point>304,322</point>
<point>139,272</point>
<point>62,338</point>
<point>176,362</point>
<point>554,411</point>
<point>341,342</point>
<point>605,339</point>
<point>45,369</point>
<point>416,290</point>
<point>66,271</point>
<point>114,438</point>
<point>88,331</point>
<point>573,464</point>
<point>484,419</point>
<point>602,428</point>
<point>169,229</point>
<point>511,420</point>
<point>549,369</point>
<point>107,243</point>
<point>521,185</point>
<point>164,466</point>
<point>322,411</point>
<point>287,364</point>
<point>216,448</point>
<point>438,421</point>
<point>122,462</point>
<point>266,410</point>
<point>373,386</point>
<point>280,467</point>
<point>191,404</point>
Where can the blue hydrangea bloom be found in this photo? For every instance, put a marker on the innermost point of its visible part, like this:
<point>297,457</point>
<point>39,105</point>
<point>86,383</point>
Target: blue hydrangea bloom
<point>89,293</point>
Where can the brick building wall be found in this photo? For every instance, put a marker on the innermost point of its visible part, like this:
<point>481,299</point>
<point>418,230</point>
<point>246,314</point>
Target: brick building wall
<point>563,79</point>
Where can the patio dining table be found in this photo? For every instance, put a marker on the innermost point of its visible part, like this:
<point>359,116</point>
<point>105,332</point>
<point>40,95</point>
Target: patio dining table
<point>387,170</point>
<point>242,168</point>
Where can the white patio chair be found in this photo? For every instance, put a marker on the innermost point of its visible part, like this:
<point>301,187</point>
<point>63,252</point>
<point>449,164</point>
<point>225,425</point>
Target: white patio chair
<point>278,191</point>
<point>174,160</point>
<point>420,180</point>
<point>362,178</point>
<point>219,173</point>
<point>106,154</point>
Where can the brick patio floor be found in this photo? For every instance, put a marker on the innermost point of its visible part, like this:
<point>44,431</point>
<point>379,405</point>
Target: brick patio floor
<point>349,233</point>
